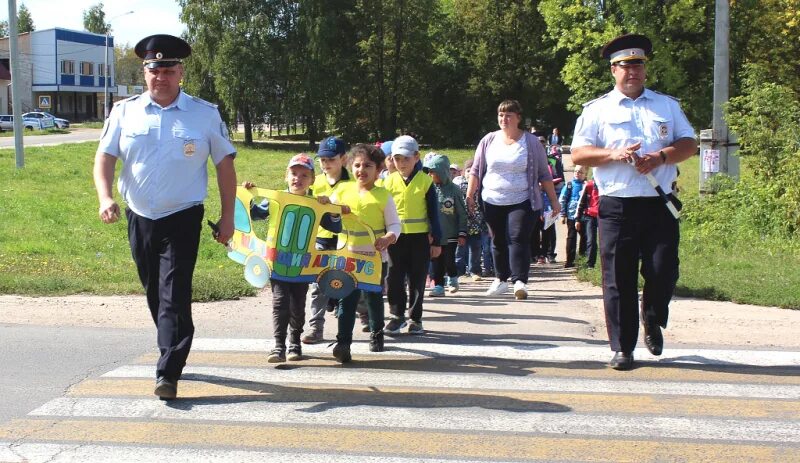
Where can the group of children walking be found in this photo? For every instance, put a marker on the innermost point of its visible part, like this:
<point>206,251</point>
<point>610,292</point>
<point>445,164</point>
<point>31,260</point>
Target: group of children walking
<point>418,215</point>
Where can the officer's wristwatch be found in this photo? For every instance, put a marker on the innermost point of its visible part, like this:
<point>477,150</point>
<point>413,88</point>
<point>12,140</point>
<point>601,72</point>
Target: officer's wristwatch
<point>663,156</point>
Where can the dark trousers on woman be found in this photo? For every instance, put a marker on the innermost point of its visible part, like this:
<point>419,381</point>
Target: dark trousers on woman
<point>165,253</point>
<point>632,229</point>
<point>288,311</point>
<point>409,258</point>
<point>445,264</point>
<point>511,234</point>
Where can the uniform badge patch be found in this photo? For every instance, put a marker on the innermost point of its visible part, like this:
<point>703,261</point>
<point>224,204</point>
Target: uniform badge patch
<point>223,129</point>
<point>663,131</point>
<point>188,148</point>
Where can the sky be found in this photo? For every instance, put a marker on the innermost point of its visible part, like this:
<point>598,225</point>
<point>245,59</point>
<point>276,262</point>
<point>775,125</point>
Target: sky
<point>148,17</point>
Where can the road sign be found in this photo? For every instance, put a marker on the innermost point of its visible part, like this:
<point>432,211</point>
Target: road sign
<point>44,101</point>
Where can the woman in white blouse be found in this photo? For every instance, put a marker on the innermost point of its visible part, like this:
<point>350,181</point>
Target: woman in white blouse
<point>510,171</point>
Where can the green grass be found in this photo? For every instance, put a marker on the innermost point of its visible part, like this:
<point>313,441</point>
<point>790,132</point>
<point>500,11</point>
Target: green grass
<point>766,272</point>
<point>53,131</point>
<point>52,242</point>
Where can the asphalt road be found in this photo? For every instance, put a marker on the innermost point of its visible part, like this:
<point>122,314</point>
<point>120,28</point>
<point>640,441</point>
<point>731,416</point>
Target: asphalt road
<point>40,363</point>
<point>78,135</point>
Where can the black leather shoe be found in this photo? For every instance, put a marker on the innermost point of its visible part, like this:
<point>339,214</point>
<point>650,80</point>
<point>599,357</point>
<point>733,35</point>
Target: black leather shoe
<point>166,389</point>
<point>622,361</point>
<point>653,338</point>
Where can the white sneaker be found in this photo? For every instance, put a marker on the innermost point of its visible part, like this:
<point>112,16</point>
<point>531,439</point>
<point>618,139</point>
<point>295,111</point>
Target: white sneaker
<point>520,292</point>
<point>497,287</point>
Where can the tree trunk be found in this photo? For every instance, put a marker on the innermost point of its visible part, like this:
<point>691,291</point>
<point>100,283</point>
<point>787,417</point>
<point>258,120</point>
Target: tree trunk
<point>248,127</point>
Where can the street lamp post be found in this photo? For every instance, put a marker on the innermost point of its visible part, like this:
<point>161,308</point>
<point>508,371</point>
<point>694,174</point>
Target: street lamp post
<point>105,69</point>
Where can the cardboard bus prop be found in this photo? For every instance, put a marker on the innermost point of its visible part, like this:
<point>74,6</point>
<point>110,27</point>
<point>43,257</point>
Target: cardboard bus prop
<point>288,252</point>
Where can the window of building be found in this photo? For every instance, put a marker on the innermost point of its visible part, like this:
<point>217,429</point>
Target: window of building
<point>68,67</point>
<point>87,68</point>
<point>101,68</point>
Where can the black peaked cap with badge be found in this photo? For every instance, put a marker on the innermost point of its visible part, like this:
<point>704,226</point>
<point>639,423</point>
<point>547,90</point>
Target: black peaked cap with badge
<point>627,49</point>
<point>162,51</point>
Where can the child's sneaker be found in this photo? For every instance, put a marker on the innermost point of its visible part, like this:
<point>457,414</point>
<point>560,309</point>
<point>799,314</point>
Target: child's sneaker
<point>520,292</point>
<point>277,355</point>
<point>476,277</point>
<point>452,285</point>
<point>437,291</point>
<point>294,353</point>
<point>341,352</point>
<point>394,326</point>
<point>313,337</point>
<point>376,341</point>
<point>415,327</point>
<point>496,288</point>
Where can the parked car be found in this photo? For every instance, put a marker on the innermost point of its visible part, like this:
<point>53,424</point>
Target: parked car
<point>37,120</point>
<point>60,123</point>
<point>6,122</point>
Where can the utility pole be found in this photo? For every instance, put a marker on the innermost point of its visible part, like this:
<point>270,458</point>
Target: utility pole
<point>716,146</point>
<point>14,62</point>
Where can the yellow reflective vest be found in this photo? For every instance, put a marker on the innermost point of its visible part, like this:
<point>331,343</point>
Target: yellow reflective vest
<point>321,187</point>
<point>412,208</point>
<point>368,206</point>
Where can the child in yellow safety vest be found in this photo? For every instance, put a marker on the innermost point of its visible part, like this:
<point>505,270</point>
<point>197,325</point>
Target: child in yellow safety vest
<point>332,158</point>
<point>374,206</point>
<point>418,208</point>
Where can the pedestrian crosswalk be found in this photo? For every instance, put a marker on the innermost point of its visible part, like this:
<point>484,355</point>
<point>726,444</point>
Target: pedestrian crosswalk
<point>423,401</point>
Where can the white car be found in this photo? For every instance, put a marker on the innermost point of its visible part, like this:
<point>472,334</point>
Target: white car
<point>60,123</point>
<point>37,120</point>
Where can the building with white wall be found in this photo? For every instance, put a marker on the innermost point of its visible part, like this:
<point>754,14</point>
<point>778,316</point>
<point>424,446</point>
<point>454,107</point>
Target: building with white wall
<point>63,68</point>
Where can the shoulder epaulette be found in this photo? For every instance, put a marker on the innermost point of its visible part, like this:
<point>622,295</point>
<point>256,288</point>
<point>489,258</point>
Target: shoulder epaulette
<point>668,96</point>
<point>595,100</point>
<point>203,102</point>
<point>130,98</point>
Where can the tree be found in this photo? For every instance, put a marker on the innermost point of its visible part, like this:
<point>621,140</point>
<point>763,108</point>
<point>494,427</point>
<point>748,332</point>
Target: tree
<point>3,28</point>
<point>24,20</point>
<point>681,32</point>
<point>128,67</point>
<point>94,20</point>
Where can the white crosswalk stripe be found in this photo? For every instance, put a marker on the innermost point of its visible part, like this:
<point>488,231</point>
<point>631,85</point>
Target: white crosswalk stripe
<point>485,404</point>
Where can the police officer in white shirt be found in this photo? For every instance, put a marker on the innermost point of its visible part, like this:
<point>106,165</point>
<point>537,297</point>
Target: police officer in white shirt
<point>625,134</point>
<point>164,139</point>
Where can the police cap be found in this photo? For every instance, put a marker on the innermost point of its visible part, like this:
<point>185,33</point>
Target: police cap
<point>162,50</point>
<point>627,49</point>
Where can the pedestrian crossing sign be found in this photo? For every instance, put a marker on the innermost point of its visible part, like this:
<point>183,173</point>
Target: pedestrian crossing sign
<point>44,101</point>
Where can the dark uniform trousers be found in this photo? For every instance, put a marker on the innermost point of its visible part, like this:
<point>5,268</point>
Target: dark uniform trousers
<point>633,230</point>
<point>165,252</point>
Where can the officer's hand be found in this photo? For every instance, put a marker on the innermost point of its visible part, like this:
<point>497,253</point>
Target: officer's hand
<point>645,164</point>
<point>109,211</point>
<point>627,153</point>
<point>577,225</point>
<point>556,210</point>
<point>225,231</point>
<point>435,251</point>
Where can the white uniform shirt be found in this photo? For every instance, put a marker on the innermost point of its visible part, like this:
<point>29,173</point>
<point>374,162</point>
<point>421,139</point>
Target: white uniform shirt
<point>164,151</point>
<point>615,121</point>
<point>506,179</point>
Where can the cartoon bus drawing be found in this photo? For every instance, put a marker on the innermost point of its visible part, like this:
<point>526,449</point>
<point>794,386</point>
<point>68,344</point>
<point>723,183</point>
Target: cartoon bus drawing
<point>287,253</point>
